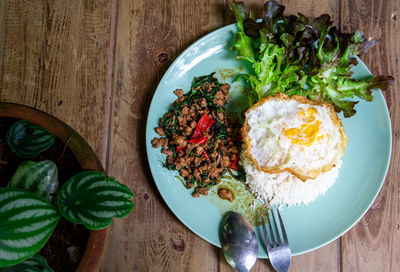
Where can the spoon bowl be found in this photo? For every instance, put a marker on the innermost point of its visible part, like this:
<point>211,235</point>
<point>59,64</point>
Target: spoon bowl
<point>239,242</point>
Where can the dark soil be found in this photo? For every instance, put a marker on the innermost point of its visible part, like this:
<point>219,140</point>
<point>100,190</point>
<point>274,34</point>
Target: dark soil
<point>66,246</point>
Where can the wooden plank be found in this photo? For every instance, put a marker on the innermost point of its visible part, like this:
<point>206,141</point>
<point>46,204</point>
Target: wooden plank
<point>150,34</point>
<point>22,36</point>
<point>325,258</point>
<point>54,57</point>
<point>152,238</point>
<point>374,243</point>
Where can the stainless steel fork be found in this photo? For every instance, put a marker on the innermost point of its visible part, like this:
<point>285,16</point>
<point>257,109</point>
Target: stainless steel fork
<point>277,248</point>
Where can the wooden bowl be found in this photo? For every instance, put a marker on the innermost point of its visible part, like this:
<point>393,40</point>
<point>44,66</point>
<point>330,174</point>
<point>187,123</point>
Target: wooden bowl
<point>98,242</point>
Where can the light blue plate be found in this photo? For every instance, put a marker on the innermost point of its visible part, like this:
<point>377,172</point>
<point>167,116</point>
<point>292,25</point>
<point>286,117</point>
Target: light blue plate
<point>365,162</point>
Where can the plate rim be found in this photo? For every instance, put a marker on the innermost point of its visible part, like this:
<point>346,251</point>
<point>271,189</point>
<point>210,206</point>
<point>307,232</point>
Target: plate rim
<point>186,224</point>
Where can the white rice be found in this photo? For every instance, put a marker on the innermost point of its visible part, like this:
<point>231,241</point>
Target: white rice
<point>285,188</point>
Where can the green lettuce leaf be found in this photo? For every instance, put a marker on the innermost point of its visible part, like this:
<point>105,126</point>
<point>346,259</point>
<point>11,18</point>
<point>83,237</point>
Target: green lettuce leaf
<point>242,41</point>
<point>296,55</point>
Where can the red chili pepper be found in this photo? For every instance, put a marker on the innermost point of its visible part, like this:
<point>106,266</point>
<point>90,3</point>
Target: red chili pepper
<point>203,125</point>
<point>234,163</point>
<point>198,140</point>
<point>206,156</point>
<point>178,148</point>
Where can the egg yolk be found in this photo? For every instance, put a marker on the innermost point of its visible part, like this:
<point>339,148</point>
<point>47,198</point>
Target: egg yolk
<point>306,134</point>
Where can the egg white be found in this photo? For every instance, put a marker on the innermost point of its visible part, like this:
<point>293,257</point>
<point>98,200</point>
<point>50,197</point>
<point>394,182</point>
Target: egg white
<point>273,126</point>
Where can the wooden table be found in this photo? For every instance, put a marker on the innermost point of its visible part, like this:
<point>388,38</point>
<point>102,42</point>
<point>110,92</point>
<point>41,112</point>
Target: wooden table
<point>96,65</point>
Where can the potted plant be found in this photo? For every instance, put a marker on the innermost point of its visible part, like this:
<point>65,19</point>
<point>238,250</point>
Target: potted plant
<point>52,185</point>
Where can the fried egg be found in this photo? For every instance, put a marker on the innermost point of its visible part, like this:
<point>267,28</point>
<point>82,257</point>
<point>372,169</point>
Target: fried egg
<point>293,134</point>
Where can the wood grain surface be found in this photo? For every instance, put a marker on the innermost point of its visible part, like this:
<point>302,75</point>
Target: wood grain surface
<point>54,57</point>
<point>96,64</point>
<point>374,243</point>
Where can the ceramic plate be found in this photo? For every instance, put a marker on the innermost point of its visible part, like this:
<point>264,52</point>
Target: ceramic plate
<point>365,162</point>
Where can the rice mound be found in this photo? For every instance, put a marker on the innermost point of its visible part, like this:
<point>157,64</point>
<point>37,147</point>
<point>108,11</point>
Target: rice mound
<point>285,188</point>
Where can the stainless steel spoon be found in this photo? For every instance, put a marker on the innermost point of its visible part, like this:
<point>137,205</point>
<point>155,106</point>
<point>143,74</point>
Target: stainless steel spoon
<point>238,241</point>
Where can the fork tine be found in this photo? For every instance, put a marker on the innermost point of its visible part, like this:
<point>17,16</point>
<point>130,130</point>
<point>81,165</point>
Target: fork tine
<point>270,222</point>
<point>283,229</point>
<point>278,249</point>
<point>267,242</point>
<point>278,236</point>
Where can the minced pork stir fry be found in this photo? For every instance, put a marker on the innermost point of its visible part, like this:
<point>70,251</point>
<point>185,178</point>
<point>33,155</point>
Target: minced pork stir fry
<point>197,137</point>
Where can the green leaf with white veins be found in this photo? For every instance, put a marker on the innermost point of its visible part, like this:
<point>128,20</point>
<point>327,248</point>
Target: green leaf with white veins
<point>35,263</point>
<point>28,140</point>
<point>37,177</point>
<point>26,223</point>
<point>92,199</point>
